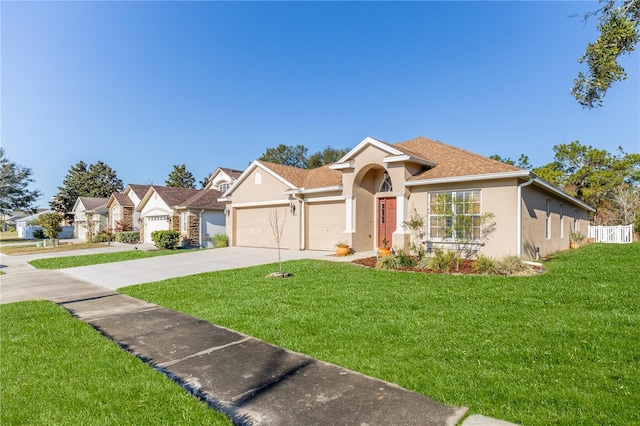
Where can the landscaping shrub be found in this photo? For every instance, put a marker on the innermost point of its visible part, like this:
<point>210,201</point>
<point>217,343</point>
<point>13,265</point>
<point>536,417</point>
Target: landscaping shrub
<point>128,236</point>
<point>388,262</point>
<point>510,265</point>
<point>102,237</point>
<point>405,260</point>
<point>165,239</point>
<point>486,265</point>
<point>38,234</point>
<point>442,261</point>
<point>220,240</point>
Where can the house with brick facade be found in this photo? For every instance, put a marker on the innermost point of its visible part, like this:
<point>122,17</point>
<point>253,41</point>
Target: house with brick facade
<point>370,193</point>
<point>90,216</point>
<point>196,214</point>
<point>122,208</point>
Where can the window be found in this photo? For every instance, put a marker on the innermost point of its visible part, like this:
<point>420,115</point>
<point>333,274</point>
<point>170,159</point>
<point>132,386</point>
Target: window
<point>385,186</point>
<point>455,215</point>
<point>561,219</point>
<point>115,214</point>
<point>183,221</point>
<point>575,220</point>
<point>224,186</point>
<point>547,223</point>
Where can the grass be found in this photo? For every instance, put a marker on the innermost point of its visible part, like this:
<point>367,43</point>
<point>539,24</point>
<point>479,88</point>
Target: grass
<point>556,348</point>
<point>95,259</point>
<point>57,370</point>
<point>32,249</point>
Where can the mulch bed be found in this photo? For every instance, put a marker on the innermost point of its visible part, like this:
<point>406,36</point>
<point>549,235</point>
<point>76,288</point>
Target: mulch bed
<point>466,267</point>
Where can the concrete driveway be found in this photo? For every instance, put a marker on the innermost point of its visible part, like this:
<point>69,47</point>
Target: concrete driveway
<point>121,274</point>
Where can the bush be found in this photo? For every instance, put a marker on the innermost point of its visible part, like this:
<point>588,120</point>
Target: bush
<point>510,265</point>
<point>442,261</point>
<point>405,260</point>
<point>128,236</point>
<point>165,239</point>
<point>220,240</point>
<point>388,262</point>
<point>38,234</point>
<point>486,265</point>
<point>102,237</point>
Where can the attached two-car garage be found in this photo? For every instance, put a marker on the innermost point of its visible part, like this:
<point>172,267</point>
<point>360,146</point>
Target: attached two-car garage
<point>325,224</point>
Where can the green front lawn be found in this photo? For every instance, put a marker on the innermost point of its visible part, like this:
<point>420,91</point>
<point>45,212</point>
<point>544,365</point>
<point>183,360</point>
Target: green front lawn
<point>557,348</point>
<point>95,259</point>
<point>57,370</point>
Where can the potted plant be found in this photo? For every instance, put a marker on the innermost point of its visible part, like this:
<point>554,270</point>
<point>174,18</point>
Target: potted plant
<point>575,238</point>
<point>342,248</point>
<point>384,250</point>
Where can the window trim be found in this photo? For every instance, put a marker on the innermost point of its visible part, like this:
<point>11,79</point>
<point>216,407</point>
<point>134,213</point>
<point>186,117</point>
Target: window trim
<point>450,226</point>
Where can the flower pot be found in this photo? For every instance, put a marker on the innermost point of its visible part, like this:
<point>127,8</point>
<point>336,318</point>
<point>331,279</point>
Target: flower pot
<point>589,240</point>
<point>343,250</point>
<point>383,251</point>
<point>573,245</point>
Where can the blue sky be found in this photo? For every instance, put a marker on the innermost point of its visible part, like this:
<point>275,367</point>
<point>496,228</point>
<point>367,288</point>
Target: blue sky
<point>142,86</point>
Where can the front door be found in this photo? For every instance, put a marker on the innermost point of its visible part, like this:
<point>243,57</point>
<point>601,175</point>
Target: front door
<point>386,219</point>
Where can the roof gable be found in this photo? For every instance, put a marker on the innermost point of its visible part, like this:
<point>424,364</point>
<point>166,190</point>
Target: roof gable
<point>90,203</point>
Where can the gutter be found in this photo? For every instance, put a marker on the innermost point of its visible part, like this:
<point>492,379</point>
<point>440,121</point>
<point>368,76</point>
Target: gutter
<point>519,218</point>
<point>468,178</point>
<point>201,233</point>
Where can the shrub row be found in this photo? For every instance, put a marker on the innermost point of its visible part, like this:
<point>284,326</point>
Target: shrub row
<point>166,239</point>
<point>128,236</point>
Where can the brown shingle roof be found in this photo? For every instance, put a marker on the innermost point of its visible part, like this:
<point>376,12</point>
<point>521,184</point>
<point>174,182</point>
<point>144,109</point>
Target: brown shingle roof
<point>122,199</point>
<point>93,203</point>
<point>319,177</point>
<point>450,161</point>
<point>139,190</point>
<point>205,199</point>
<point>174,196</point>
<point>233,173</point>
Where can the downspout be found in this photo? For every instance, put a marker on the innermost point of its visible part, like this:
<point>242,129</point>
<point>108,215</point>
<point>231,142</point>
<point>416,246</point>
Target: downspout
<point>201,233</point>
<point>303,217</point>
<point>519,220</point>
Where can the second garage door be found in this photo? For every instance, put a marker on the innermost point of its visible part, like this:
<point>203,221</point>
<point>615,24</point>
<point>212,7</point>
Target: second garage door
<point>252,228</point>
<point>326,225</point>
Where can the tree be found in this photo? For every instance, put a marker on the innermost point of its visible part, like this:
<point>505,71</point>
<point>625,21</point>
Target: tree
<point>96,180</point>
<point>14,182</point>
<point>277,226</point>
<point>50,223</point>
<point>618,27</point>
<point>327,156</point>
<point>205,180</point>
<point>180,177</point>
<point>523,161</point>
<point>591,175</point>
<point>295,156</point>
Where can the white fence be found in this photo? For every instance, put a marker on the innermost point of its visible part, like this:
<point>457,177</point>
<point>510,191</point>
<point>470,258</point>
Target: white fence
<point>611,234</point>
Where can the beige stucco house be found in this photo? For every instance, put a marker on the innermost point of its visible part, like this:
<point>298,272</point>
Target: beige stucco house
<point>223,179</point>
<point>368,194</point>
<point>196,214</point>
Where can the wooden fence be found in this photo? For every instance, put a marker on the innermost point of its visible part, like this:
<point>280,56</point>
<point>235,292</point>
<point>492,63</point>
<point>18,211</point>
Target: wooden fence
<point>611,234</point>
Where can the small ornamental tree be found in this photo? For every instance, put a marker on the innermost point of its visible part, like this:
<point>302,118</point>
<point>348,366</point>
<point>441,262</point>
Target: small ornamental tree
<point>277,220</point>
<point>418,228</point>
<point>50,223</point>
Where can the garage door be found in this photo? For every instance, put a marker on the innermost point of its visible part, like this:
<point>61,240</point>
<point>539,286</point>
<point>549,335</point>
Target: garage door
<point>154,223</point>
<point>326,225</point>
<point>252,228</point>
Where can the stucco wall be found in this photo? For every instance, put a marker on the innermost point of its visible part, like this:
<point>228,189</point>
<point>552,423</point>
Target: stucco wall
<point>265,188</point>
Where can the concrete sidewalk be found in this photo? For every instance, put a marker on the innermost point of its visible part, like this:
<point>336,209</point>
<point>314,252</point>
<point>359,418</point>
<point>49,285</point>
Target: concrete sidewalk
<point>253,382</point>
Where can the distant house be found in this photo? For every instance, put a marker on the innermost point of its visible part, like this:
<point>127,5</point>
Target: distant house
<point>9,219</point>
<point>222,179</point>
<point>365,197</point>
<point>122,208</point>
<point>25,229</point>
<point>90,216</point>
<point>196,214</point>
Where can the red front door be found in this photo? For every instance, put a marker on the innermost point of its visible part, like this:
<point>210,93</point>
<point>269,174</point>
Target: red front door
<point>386,219</point>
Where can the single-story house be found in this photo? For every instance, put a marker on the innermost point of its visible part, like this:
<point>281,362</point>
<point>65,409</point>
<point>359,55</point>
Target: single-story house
<point>122,208</point>
<point>196,214</point>
<point>90,216</point>
<point>368,195</point>
<point>25,229</point>
<point>223,179</point>
<point>9,219</point>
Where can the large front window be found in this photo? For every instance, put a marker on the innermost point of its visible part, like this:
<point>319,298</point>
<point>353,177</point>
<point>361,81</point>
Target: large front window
<point>455,216</point>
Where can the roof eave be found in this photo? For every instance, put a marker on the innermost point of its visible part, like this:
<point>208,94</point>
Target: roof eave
<point>469,178</point>
<point>313,190</point>
<point>405,157</point>
<point>561,193</point>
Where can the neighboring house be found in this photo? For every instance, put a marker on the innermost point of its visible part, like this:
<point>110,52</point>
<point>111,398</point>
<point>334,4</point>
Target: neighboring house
<point>222,179</point>
<point>122,208</point>
<point>368,194</point>
<point>90,216</point>
<point>196,214</point>
<point>25,229</point>
<point>9,219</point>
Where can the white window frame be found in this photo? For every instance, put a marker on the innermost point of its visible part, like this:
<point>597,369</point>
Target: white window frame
<point>184,219</point>
<point>224,186</point>
<point>454,196</point>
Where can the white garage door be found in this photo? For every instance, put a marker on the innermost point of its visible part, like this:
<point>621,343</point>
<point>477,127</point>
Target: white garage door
<point>326,225</point>
<point>252,228</point>
<point>154,223</point>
